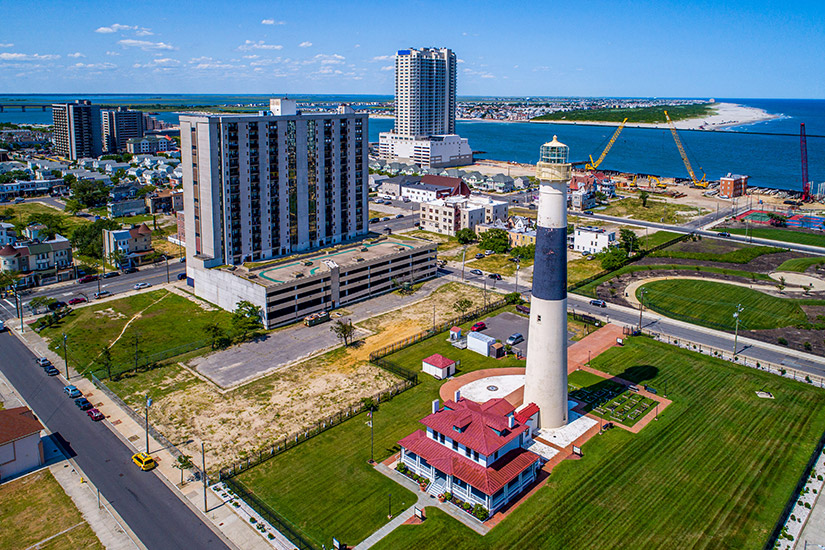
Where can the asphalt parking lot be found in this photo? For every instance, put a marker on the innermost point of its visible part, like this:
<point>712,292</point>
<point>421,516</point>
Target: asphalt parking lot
<point>504,324</point>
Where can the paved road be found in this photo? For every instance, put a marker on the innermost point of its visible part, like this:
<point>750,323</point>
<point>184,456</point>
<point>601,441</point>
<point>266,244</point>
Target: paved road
<point>158,517</point>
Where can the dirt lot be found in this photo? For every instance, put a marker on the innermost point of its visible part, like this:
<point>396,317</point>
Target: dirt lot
<point>188,408</point>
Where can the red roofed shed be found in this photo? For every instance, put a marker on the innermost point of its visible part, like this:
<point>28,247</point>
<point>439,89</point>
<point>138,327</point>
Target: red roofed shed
<point>439,366</point>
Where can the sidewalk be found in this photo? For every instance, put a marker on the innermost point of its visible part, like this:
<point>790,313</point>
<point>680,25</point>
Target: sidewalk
<point>235,532</point>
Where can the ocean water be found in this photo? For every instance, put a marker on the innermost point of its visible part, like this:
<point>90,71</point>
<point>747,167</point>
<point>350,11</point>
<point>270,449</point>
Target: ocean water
<point>769,152</point>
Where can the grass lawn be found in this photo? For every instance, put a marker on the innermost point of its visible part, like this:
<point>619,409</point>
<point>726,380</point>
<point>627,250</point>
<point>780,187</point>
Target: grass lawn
<point>326,487</point>
<point>713,250</point>
<point>34,508</point>
<point>800,264</point>
<point>713,304</point>
<point>657,238</point>
<point>445,242</point>
<point>21,212</point>
<point>166,321</point>
<point>713,472</point>
<point>656,210</point>
<point>779,234</point>
<point>499,263</point>
<point>581,269</point>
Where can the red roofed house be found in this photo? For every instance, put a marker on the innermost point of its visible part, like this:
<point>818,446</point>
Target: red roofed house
<point>439,366</point>
<point>457,185</point>
<point>474,451</point>
<point>134,245</point>
<point>20,446</point>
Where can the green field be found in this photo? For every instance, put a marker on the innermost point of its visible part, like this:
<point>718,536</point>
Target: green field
<point>778,234</point>
<point>713,472</point>
<point>638,114</point>
<point>34,508</point>
<point>19,213</point>
<point>800,264</point>
<point>166,321</point>
<point>655,211</point>
<point>712,250</point>
<point>713,304</point>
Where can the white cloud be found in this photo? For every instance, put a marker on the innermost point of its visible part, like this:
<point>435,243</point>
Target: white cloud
<point>272,22</point>
<point>9,45</point>
<point>145,45</point>
<point>265,62</point>
<point>214,65</point>
<point>259,45</point>
<point>253,56</point>
<point>112,53</point>
<point>329,59</point>
<point>305,44</point>
<point>75,55</point>
<point>383,58</point>
<point>144,32</point>
<point>117,27</point>
<point>460,60</point>
<point>388,68</point>
<point>357,46</point>
<point>165,62</point>
<point>27,57</point>
<point>94,66</point>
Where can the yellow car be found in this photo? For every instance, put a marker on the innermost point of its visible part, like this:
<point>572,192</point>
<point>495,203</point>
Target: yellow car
<point>144,461</point>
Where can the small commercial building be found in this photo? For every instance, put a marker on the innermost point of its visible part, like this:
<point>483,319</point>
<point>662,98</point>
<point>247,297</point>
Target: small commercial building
<point>480,343</point>
<point>592,240</point>
<point>439,366</point>
<point>21,449</point>
<point>449,215</point>
<point>733,185</point>
<point>133,245</point>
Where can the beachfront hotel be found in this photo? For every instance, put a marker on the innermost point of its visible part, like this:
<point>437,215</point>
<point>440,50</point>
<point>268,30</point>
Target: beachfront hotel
<point>425,103</point>
<point>77,129</point>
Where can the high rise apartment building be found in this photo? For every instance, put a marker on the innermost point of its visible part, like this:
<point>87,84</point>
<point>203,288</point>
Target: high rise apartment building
<point>77,129</point>
<point>119,126</point>
<point>425,103</point>
<point>425,92</point>
<point>267,185</point>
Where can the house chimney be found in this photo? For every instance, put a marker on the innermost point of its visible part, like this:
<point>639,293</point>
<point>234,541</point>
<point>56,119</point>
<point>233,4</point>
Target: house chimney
<point>511,421</point>
<point>457,395</point>
<point>435,406</point>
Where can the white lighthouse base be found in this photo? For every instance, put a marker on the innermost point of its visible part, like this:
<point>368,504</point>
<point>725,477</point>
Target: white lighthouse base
<point>576,427</point>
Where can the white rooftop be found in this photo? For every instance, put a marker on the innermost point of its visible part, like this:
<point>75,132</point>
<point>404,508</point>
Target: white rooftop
<point>492,387</point>
<point>576,426</point>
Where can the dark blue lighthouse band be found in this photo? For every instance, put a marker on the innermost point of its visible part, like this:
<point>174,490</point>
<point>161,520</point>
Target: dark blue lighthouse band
<point>550,268</point>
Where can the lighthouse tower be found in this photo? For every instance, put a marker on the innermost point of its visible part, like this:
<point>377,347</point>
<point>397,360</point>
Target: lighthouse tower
<point>545,381</point>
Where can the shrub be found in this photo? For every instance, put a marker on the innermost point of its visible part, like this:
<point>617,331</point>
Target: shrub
<point>480,512</point>
<point>819,477</point>
<point>253,520</point>
<point>782,341</point>
<point>808,505</point>
<point>466,506</point>
<point>448,496</point>
<point>401,467</point>
<point>807,346</point>
<point>270,536</point>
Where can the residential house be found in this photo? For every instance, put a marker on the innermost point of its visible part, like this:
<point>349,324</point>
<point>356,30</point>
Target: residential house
<point>126,207</point>
<point>500,183</point>
<point>40,263</point>
<point>450,214</point>
<point>592,240</point>
<point>457,185</point>
<point>149,144</point>
<point>21,449</point>
<point>7,234</point>
<point>134,245</point>
<point>474,451</point>
<point>164,200</point>
<point>124,191</point>
<point>474,179</point>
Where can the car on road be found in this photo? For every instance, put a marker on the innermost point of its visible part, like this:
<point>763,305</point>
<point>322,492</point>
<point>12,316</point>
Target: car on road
<point>129,270</point>
<point>139,286</point>
<point>494,276</point>
<point>591,257</point>
<point>72,392</point>
<point>385,219</point>
<point>51,371</point>
<point>514,339</point>
<point>18,200</point>
<point>479,256</point>
<point>374,220</point>
<point>489,252</point>
<point>102,294</point>
<point>476,272</point>
<point>406,199</point>
<point>181,276</point>
<point>144,461</point>
<point>78,300</point>
<point>598,303</point>
<point>588,212</point>
<point>110,274</point>
<point>481,325</point>
<point>95,415</point>
<point>724,234</point>
<point>87,279</point>
<point>43,362</point>
<point>83,404</point>
<point>399,216</point>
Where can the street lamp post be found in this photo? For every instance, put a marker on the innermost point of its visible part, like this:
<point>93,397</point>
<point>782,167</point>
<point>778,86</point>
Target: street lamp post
<point>66,355</point>
<point>148,404</point>
<point>518,265</point>
<point>372,436</point>
<point>203,476</point>
<point>739,309</point>
<point>463,258</point>
<point>166,257</point>
<point>641,307</point>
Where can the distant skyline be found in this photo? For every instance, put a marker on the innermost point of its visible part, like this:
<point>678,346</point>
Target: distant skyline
<point>667,48</point>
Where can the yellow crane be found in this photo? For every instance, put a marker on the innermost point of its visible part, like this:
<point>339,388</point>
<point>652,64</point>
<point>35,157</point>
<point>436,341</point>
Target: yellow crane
<point>592,165</point>
<point>697,183</point>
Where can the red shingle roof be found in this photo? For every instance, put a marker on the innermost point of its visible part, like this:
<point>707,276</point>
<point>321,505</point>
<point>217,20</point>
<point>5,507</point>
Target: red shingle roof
<point>488,480</point>
<point>457,185</point>
<point>439,361</point>
<point>524,414</point>
<point>8,250</point>
<point>17,423</point>
<point>481,427</point>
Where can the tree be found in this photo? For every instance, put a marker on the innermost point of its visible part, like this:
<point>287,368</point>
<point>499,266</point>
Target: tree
<point>106,360</point>
<point>184,462</point>
<point>465,236</point>
<point>524,251</point>
<point>495,239</point>
<point>613,258</point>
<point>247,318</point>
<point>513,297</point>
<point>344,330</point>
<point>90,193</point>
<point>69,180</point>
<point>214,332</point>
<point>781,284</point>
<point>628,240</point>
<point>116,258</point>
<point>463,305</point>
<point>55,223</point>
<point>40,302</point>
<point>73,206</point>
<point>87,239</point>
<point>8,279</point>
<point>643,196</point>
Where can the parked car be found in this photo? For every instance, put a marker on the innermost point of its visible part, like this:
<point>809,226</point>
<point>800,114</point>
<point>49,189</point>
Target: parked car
<point>374,220</point>
<point>83,404</point>
<point>481,325</point>
<point>110,274</point>
<point>139,286</point>
<point>95,415</point>
<point>54,306</point>
<point>494,276</point>
<point>514,339</point>
<point>724,234</point>
<point>181,276</point>
<point>479,256</point>
<point>489,252</point>
<point>405,199</point>
<point>598,303</point>
<point>385,219</point>
<point>144,461</point>
<point>129,270</point>
<point>102,294</point>
<point>87,279</point>
<point>43,362</point>
<point>72,392</point>
<point>476,272</point>
<point>78,300</point>
<point>51,371</point>
<point>398,216</point>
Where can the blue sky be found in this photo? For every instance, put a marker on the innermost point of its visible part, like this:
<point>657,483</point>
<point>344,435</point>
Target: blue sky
<point>664,48</point>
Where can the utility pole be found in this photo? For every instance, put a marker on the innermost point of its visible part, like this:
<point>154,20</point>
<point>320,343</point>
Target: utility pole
<point>166,257</point>
<point>148,404</point>
<point>372,436</point>
<point>463,257</point>
<point>518,265</point>
<point>66,355</point>
<point>739,309</point>
<point>102,262</point>
<point>641,307</point>
<point>203,476</point>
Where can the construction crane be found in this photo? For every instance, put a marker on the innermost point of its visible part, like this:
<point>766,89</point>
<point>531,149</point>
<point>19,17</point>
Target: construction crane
<point>803,144</point>
<point>697,183</point>
<point>592,165</point>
